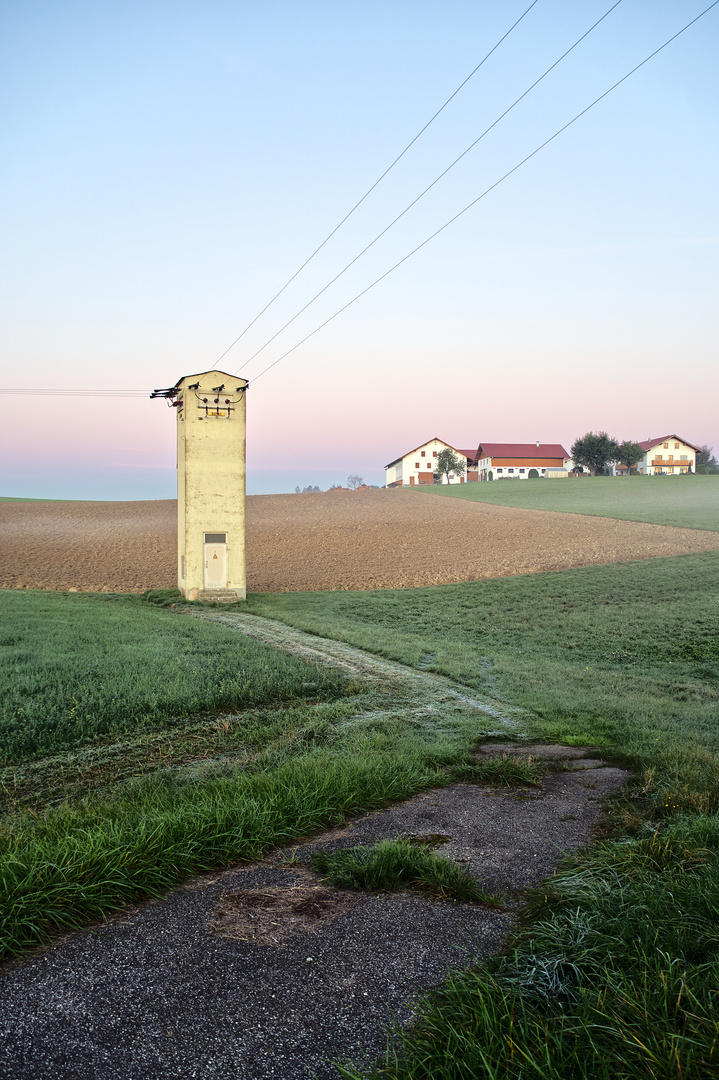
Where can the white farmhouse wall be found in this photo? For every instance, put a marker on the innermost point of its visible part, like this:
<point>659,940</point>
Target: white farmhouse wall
<point>672,457</point>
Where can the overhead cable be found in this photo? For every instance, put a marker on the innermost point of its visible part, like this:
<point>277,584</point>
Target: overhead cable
<point>62,392</point>
<point>496,184</point>
<point>430,186</point>
<point>378,180</point>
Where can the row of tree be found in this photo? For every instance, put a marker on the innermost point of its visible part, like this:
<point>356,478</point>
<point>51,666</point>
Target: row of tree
<point>354,481</point>
<point>596,451</point>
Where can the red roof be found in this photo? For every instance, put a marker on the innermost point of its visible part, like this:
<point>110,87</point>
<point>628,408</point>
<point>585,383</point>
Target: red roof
<point>521,450</point>
<point>649,444</point>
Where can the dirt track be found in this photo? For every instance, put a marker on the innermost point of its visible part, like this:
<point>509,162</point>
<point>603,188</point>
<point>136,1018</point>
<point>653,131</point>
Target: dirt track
<point>345,540</point>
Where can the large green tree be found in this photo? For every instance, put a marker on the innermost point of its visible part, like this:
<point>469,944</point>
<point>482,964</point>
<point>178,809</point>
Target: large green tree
<point>629,455</point>
<point>706,461</point>
<point>450,464</point>
<point>595,451</point>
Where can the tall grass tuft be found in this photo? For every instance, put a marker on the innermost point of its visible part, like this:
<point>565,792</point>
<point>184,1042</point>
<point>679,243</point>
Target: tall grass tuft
<point>398,864</point>
<point>616,975</point>
<point>81,861</point>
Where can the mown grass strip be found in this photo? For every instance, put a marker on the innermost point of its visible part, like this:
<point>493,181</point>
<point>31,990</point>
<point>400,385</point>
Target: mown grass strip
<point>617,656</point>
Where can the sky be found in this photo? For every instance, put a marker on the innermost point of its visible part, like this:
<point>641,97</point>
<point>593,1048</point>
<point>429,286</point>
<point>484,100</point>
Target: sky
<point>167,168</point>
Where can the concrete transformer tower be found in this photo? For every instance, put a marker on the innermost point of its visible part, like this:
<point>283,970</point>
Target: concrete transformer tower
<point>211,433</point>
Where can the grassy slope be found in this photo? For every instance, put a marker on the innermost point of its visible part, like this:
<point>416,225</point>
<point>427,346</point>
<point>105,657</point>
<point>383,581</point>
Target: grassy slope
<point>88,829</point>
<point>623,655</point>
<point>75,667</point>
<point>616,972</point>
<point>691,501</point>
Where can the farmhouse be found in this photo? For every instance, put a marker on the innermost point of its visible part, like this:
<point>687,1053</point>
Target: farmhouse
<point>490,461</point>
<point>669,455</point>
<point>418,465</point>
<point>501,461</point>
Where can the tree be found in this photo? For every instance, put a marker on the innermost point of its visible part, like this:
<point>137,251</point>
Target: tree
<point>596,450</point>
<point>629,455</point>
<point>450,464</point>
<point>354,481</point>
<point>706,461</point>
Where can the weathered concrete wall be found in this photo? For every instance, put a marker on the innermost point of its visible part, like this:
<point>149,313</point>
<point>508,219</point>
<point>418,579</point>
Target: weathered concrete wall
<point>211,433</point>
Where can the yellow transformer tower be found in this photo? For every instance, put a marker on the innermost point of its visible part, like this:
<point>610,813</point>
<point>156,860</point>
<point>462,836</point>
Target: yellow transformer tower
<point>211,432</point>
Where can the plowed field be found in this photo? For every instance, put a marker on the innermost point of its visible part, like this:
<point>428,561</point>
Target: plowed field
<point>335,540</point>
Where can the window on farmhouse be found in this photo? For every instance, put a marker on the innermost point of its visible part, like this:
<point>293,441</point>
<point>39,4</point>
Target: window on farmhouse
<point>500,469</point>
<point>434,453</point>
<point>522,470</point>
<point>676,445</point>
<point>510,470</point>
<point>422,453</point>
<point>416,464</point>
<point>429,464</point>
<point>665,446</point>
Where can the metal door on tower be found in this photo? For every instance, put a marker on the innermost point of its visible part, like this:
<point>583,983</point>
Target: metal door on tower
<point>215,560</point>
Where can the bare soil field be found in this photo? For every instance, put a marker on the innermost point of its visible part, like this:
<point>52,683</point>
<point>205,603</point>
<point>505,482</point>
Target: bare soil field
<point>376,539</point>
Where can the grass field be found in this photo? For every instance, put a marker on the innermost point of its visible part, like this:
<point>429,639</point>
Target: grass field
<point>615,971</point>
<point>79,667</point>
<point>142,745</point>
<point>691,501</point>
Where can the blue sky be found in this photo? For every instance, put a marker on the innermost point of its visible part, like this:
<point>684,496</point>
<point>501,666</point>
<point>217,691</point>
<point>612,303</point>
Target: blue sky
<point>167,167</point>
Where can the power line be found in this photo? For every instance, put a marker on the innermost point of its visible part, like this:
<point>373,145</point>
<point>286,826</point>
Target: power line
<point>378,180</point>
<point>433,184</point>
<point>62,392</point>
<point>496,184</point>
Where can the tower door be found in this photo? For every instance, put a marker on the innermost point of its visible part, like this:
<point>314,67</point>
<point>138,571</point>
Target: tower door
<point>215,560</point>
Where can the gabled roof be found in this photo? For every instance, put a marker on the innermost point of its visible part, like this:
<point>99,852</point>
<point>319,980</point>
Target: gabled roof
<point>523,450</point>
<point>649,444</point>
<point>409,453</point>
<point>471,455</point>
<point>171,391</point>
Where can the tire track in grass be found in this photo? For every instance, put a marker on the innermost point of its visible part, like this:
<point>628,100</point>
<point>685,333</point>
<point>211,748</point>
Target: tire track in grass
<point>410,684</point>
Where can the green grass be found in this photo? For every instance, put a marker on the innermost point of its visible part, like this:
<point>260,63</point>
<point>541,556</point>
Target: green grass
<point>77,668</point>
<point>82,860</point>
<point>615,976</point>
<point>614,972</point>
<point>116,817</point>
<point>390,865</point>
<point>621,656</point>
<point>690,501</point>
